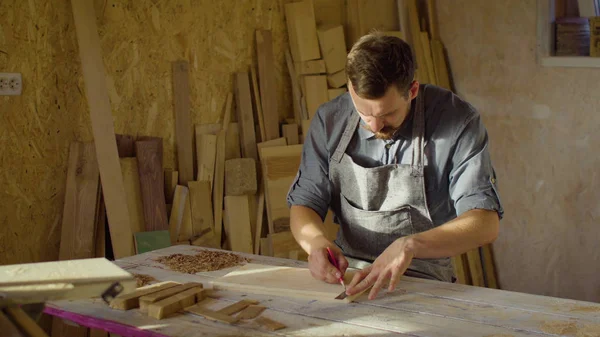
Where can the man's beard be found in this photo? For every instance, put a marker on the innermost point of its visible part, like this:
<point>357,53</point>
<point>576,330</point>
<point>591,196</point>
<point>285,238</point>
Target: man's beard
<point>386,133</point>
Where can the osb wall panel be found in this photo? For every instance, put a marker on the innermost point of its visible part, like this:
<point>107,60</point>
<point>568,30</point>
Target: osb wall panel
<point>543,127</point>
<point>36,39</point>
<point>139,40</point>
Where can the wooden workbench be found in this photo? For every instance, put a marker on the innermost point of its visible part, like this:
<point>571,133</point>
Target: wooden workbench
<point>418,308</point>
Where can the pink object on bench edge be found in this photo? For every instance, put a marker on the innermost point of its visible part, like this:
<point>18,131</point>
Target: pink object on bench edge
<point>97,323</point>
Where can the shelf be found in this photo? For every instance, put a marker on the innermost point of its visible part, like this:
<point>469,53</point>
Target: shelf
<point>571,61</point>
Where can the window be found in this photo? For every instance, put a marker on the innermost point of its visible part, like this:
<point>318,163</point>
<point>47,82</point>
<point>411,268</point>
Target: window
<point>568,33</point>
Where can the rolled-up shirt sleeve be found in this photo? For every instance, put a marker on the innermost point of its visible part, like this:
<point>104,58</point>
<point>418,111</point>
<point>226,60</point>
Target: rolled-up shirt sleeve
<point>473,182</point>
<point>311,186</point>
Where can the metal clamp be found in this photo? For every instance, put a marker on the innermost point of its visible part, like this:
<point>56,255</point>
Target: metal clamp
<point>113,291</point>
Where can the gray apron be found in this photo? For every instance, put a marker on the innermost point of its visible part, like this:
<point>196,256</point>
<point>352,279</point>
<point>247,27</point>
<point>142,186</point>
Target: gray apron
<point>375,206</point>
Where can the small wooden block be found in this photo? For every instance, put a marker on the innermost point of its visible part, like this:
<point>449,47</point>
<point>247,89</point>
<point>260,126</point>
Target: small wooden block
<point>131,300</point>
<point>290,132</point>
<point>170,305</point>
<point>251,312</point>
<point>312,67</point>
<point>211,315</point>
<point>337,80</point>
<point>269,323</point>
<point>333,93</point>
<point>240,176</point>
<point>333,47</point>
<point>236,307</point>
<point>146,300</point>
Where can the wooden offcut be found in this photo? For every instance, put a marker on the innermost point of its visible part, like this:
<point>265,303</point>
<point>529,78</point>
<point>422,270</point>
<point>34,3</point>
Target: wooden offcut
<point>333,47</point>
<point>210,314</point>
<point>269,324</point>
<point>337,80</point>
<point>171,179</point>
<point>201,206</point>
<point>148,299</point>
<point>180,222</point>
<point>132,299</point>
<point>312,67</point>
<point>171,305</point>
<point>232,137</point>
<point>183,123</point>
<point>280,165</point>
<point>239,231</point>
<point>251,312</point>
<point>81,197</point>
<point>237,307</point>
<point>125,145</point>
<point>257,104</point>
<point>245,115</point>
<point>268,84</point>
<point>302,30</point>
<point>149,156</point>
<point>102,127</point>
<point>133,191</point>
<point>296,93</point>
<point>316,92</point>
<point>240,176</point>
<point>206,147</point>
<point>290,132</point>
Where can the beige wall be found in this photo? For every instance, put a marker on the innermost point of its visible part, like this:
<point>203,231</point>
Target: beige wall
<point>543,125</point>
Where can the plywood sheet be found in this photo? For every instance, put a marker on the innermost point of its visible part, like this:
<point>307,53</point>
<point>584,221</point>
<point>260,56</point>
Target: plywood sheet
<point>282,281</point>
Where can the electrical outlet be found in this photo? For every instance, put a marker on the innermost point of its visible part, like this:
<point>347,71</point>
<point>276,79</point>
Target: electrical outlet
<point>11,84</point>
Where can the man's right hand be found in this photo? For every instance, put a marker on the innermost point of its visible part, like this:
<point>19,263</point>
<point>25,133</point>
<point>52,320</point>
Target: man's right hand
<point>321,268</point>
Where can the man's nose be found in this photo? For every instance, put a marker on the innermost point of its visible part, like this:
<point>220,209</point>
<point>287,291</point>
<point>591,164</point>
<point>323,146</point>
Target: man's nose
<point>376,124</point>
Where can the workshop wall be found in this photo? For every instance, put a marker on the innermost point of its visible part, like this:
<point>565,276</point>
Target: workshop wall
<point>139,40</point>
<point>542,124</point>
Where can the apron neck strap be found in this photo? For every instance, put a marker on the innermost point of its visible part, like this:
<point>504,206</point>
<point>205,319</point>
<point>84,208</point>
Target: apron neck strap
<point>418,135</point>
<point>346,137</point>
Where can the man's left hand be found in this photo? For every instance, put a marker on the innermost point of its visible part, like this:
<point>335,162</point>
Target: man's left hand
<point>387,268</point>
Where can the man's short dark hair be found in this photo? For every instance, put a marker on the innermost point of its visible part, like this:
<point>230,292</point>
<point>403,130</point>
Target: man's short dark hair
<point>377,61</point>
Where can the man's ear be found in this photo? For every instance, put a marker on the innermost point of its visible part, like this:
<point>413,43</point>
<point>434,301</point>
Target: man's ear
<point>414,90</point>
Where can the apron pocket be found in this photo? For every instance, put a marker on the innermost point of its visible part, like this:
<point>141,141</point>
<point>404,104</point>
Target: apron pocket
<point>368,233</point>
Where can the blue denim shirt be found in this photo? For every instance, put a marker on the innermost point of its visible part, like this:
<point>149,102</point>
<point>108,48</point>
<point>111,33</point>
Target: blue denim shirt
<point>459,175</point>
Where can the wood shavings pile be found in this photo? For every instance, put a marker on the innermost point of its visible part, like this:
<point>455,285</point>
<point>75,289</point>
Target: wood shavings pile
<point>201,262</point>
<point>143,279</point>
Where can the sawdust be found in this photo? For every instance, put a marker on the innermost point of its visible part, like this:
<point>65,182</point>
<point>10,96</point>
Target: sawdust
<point>559,328</point>
<point>203,261</point>
<point>143,279</point>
